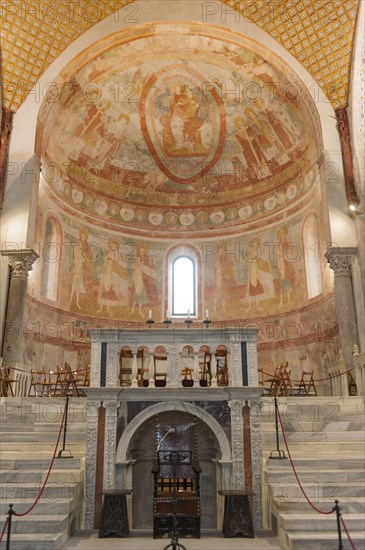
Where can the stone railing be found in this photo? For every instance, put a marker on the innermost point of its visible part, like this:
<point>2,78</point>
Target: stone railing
<point>359,364</point>
<point>107,344</point>
<point>347,380</point>
<point>336,371</point>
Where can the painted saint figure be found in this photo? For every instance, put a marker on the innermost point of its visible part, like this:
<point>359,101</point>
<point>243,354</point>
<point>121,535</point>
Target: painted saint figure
<point>113,288</point>
<point>82,259</point>
<point>142,272</point>
<point>182,125</point>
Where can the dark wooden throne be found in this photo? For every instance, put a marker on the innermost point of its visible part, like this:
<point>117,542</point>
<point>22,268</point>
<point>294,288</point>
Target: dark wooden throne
<point>176,471</point>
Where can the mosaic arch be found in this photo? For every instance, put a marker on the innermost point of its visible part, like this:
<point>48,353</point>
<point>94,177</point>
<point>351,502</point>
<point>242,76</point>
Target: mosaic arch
<point>180,128</point>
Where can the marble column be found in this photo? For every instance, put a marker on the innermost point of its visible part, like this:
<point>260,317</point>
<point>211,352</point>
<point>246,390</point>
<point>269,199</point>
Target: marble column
<point>340,260</point>
<point>20,262</point>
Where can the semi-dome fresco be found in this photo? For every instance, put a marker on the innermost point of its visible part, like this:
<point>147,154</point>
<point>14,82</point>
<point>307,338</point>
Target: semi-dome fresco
<point>178,127</point>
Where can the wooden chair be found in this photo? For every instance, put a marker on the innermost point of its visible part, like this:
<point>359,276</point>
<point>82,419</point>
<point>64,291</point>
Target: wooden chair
<point>306,385</point>
<point>274,381</point>
<point>285,387</point>
<point>70,386</point>
<point>125,367</point>
<point>40,383</point>
<point>141,368</point>
<point>187,364</point>
<point>160,368</point>
<point>351,384</point>
<point>82,379</point>
<point>205,369</point>
<point>6,382</point>
<point>222,367</point>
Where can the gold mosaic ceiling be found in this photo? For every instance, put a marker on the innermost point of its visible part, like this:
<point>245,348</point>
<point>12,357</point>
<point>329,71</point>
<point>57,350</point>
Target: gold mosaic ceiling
<point>318,33</point>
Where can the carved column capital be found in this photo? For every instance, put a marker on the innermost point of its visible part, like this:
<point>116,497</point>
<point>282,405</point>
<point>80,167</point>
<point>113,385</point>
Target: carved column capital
<point>20,261</point>
<point>341,259</point>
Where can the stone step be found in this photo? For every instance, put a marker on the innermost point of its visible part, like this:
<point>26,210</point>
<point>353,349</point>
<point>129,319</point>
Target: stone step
<point>319,522</point>
<point>38,476</point>
<point>51,492</point>
<point>33,524</point>
<point>315,463</point>
<point>349,505</point>
<point>43,541</point>
<point>41,463</point>
<point>29,425</point>
<point>329,435</point>
<point>41,437</point>
<point>328,447</point>
<point>323,475</point>
<point>43,507</point>
<point>291,490</point>
<point>315,427</point>
<point>27,448</point>
<point>355,402</point>
<point>319,541</point>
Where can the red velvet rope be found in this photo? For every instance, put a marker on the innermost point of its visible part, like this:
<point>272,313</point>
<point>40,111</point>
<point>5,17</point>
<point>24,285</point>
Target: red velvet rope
<point>317,380</point>
<point>347,533</point>
<point>3,531</point>
<point>295,472</point>
<point>49,470</point>
<point>44,371</point>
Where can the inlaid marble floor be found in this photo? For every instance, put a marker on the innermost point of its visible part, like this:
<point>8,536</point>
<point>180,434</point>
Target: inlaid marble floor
<point>143,541</point>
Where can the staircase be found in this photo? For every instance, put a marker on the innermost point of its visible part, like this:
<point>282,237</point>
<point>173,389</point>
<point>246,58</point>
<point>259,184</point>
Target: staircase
<point>29,429</point>
<point>326,441</point>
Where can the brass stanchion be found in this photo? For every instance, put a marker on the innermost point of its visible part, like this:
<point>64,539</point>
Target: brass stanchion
<point>64,450</point>
<point>338,518</point>
<point>10,515</point>
<point>280,454</point>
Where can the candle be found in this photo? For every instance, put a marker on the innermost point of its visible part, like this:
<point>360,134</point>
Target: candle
<point>188,313</point>
<point>167,314</point>
<point>206,314</point>
<point>150,313</point>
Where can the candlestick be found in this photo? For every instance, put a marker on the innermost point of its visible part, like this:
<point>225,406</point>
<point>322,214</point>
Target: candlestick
<point>188,322</point>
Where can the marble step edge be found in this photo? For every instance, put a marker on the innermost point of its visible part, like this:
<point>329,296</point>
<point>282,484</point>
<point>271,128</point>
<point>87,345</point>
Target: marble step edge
<point>27,501</point>
<point>9,490</point>
<point>41,471</point>
<point>324,475</point>
<point>327,536</point>
<point>24,463</point>
<point>48,524</point>
<point>314,461</point>
<point>308,444</point>
<point>40,426</point>
<point>40,476</point>
<point>354,484</point>
<point>321,427</point>
<point>43,541</point>
<point>289,521</point>
<point>302,507</point>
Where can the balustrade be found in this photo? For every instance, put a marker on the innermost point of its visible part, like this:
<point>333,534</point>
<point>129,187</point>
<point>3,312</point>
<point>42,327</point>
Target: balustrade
<point>174,358</point>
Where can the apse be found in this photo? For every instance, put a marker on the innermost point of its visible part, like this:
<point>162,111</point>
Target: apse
<point>177,140</point>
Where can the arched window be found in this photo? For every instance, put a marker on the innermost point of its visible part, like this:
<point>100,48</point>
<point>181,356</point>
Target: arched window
<point>183,286</point>
<point>182,283</point>
<point>51,256</point>
<point>312,256</point>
